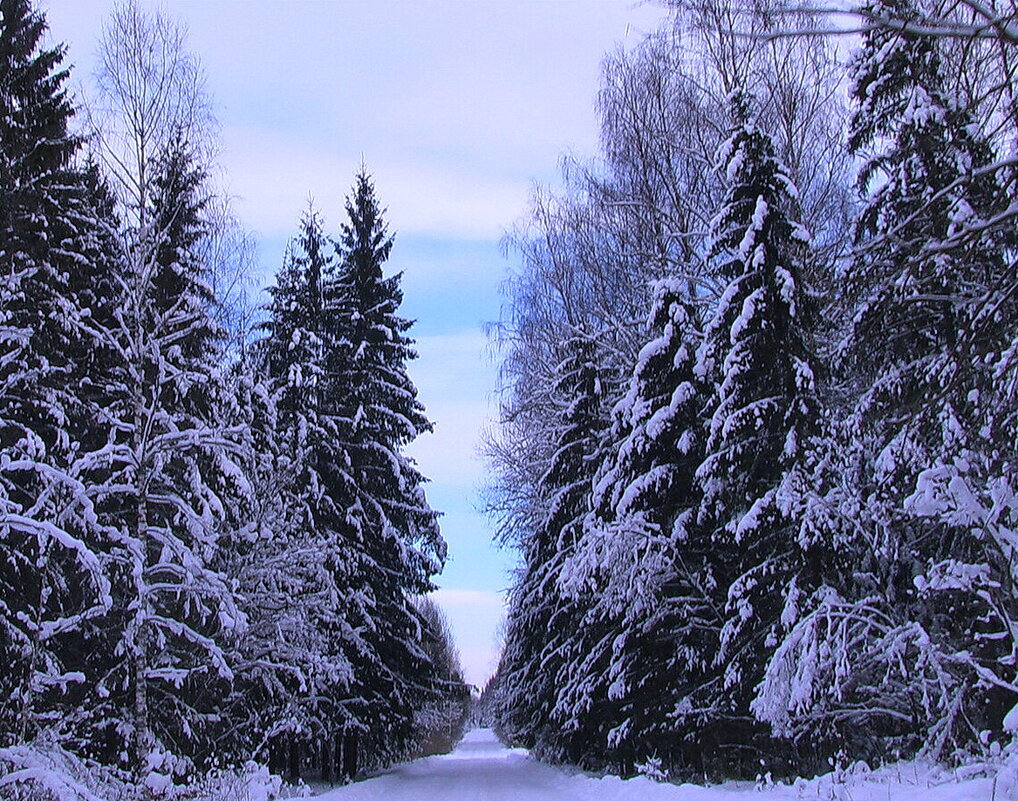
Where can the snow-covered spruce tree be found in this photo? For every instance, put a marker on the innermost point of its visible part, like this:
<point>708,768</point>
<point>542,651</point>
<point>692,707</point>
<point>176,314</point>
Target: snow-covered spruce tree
<point>53,570</point>
<point>919,495</point>
<point>295,347</point>
<point>940,409</point>
<point>642,542</point>
<point>761,416</point>
<point>211,472</point>
<point>312,572</point>
<point>361,540</point>
<point>543,665</point>
<point>377,414</point>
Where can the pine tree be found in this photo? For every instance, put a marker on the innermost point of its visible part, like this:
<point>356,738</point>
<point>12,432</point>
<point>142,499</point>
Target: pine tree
<point>762,415</point>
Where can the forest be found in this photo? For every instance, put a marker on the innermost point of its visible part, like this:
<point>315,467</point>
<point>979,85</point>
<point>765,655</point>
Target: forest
<point>758,410</point>
<point>214,551</point>
<point>755,447</point>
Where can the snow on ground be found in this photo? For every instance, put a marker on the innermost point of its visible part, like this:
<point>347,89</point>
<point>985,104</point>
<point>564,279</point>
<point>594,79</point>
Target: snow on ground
<point>482,769</point>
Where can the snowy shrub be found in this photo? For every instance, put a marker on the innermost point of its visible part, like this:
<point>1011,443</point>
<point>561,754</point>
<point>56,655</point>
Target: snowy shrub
<point>852,669</point>
<point>653,768</point>
<point>43,771</point>
<point>253,782</point>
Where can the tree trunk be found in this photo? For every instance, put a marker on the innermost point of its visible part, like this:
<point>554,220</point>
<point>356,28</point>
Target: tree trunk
<point>293,769</point>
<point>277,755</point>
<point>325,750</point>
<point>139,668</point>
<point>350,754</point>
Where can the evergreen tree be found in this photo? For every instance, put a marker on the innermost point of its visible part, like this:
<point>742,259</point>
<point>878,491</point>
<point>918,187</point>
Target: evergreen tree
<point>655,559</point>
<point>549,625</point>
<point>913,462</point>
<point>336,352</point>
<point>762,415</point>
<point>167,482</point>
<point>923,285</point>
<point>381,406</point>
<point>316,553</point>
<point>295,347</point>
<point>377,414</point>
<point>53,570</point>
<point>439,722</point>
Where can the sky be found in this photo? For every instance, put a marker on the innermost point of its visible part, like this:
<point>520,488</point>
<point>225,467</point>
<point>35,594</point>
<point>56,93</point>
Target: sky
<point>457,108</point>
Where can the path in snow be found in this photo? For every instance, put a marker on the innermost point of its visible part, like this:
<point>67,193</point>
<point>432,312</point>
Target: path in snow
<point>482,769</point>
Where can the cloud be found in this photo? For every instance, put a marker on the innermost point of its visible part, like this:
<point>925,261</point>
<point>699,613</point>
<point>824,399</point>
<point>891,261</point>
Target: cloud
<point>272,175</point>
<point>455,381</point>
<point>471,599</point>
<point>475,617</point>
<point>455,106</point>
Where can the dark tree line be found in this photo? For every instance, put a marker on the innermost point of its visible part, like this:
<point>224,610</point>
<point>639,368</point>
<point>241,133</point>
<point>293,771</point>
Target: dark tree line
<point>208,553</point>
<point>757,446</point>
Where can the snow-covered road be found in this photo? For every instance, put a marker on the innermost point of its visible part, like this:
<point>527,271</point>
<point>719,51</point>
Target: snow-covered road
<point>481,769</point>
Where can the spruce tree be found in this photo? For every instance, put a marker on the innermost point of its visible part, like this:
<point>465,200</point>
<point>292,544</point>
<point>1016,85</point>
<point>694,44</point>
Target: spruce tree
<point>295,346</point>
<point>924,352</point>
<point>381,407</point>
<point>377,414</point>
<point>54,575</point>
<point>549,628</point>
<point>322,638</point>
<point>336,354</point>
<point>657,561</point>
<point>761,417</point>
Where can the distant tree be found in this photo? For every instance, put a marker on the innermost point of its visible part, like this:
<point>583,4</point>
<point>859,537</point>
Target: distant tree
<point>439,720</point>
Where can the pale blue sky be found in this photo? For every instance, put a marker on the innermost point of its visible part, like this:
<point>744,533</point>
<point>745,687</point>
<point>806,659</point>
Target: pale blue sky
<point>457,107</point>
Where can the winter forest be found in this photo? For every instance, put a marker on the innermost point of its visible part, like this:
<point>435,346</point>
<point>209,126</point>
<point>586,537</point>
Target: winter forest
<point>212,547</point>
<point>757,443</point>
<point>755,447</point>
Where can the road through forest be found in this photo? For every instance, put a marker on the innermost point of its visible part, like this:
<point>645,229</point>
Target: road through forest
<point>482,769</point>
